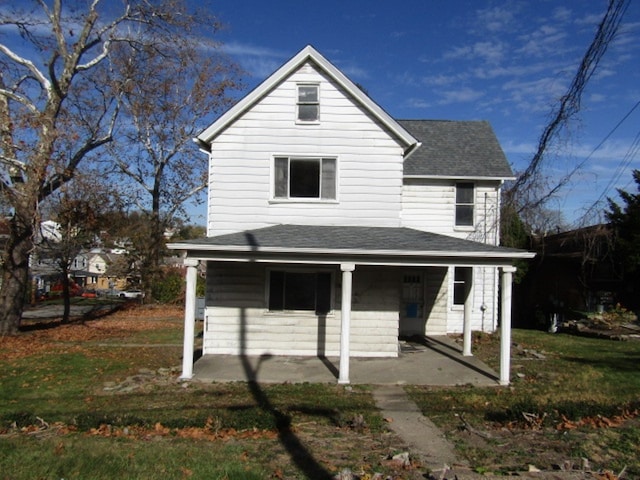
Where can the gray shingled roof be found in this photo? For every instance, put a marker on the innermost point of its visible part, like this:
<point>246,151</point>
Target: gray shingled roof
<point>292,238</point>
<point>455,149</point>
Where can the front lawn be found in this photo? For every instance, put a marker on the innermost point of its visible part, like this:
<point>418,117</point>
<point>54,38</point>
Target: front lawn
<point>571,398</point>
<point>100,399</point>
<point>64,412</point>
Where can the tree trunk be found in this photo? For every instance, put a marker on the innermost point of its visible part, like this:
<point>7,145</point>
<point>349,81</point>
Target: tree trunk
<point>66,295</point>
<point>15,274</point>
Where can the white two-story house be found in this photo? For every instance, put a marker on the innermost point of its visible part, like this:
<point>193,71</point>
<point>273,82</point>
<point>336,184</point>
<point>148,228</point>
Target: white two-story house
<point>333,229</point>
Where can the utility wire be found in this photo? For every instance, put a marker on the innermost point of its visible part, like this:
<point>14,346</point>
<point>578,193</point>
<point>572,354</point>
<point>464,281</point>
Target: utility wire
<point>621,166</point>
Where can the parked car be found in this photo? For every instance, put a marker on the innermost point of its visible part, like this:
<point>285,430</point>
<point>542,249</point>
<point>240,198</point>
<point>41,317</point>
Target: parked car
<point>133,293</point>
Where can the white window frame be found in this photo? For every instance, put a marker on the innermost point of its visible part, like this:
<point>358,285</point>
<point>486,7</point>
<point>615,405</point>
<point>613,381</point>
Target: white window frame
<point>472,204</point>
<point>282,193</point>
<point>303,103</point>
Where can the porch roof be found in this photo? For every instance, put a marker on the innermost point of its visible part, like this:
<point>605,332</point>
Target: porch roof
<point>380,245</point>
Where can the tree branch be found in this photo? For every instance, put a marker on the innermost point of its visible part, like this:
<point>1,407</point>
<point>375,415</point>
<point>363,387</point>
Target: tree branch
<point>44,83</point>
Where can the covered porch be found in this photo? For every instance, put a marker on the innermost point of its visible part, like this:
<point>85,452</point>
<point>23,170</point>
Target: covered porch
<point>348,249</point>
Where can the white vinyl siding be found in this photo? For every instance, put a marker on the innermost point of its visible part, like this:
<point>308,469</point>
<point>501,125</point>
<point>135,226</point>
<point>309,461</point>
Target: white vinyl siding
<point>436,289</point>
<point>369,163</point>
<point>430,205</point>
<point>237,319</point>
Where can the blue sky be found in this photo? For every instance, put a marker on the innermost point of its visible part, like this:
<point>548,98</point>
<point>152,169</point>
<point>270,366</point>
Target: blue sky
<point>505,62</point>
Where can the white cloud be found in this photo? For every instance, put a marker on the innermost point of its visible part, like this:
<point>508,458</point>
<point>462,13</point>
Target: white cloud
<point>546,40</point>
<point>534,95</point>
<point>458,52</point>
<point>417,103</point>
<point>354,72</point>
<point>528,69</point>
<point>461,95</point>
<point>589,19</point>
<point>562,14</point>
<point>488,51</point>
<point>497,19</point>
<point>597,98</point>
<point>245,50</point>
<point>442,80</point>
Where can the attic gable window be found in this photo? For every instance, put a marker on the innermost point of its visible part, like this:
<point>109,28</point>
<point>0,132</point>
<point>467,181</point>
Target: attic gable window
<point>304,178</point>
<point>464,204</point>
<point>308,103</point>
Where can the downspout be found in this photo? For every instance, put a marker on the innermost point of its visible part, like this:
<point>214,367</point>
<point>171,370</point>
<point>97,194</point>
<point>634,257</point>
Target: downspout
<point>496,276</point>
<point>483,306</point>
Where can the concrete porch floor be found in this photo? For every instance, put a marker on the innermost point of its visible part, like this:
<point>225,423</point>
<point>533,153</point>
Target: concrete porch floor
<point>434,360</point>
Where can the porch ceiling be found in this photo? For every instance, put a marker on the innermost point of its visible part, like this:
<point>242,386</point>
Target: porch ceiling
<point>337,244</point>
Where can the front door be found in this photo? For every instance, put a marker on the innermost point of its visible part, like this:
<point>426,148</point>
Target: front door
<point>412,304</point>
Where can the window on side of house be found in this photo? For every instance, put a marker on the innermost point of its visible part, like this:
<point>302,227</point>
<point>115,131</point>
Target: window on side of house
<point>305,178</point>
<point>465,194</point>
<point>461,279</point>
<point>301,291</point>
<point>308,103</point>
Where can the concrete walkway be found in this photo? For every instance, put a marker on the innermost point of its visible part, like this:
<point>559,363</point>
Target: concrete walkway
<point>423,438</point>
<point>434,361</point>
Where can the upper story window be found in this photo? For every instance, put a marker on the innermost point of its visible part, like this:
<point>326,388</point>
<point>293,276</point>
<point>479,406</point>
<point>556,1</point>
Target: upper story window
<point>304,177</point>
<point>465,194</point>
<point>308,103</point>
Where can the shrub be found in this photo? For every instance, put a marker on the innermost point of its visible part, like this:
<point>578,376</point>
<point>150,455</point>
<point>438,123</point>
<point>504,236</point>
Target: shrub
<point>169,287</point>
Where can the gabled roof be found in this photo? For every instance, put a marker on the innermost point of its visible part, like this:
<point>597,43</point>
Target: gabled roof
<point>326,241</point>
<point>307,54</point>
<point>455,149</point>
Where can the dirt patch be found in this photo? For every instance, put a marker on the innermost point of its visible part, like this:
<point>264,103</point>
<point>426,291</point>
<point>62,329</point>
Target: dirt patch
<point>510,449</point>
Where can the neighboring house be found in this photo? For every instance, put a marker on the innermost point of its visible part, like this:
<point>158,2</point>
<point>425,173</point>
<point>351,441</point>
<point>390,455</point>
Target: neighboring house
<point>94,270</point>
<point>333,228</point>
<point>90,269</point>
<point>574,271</point>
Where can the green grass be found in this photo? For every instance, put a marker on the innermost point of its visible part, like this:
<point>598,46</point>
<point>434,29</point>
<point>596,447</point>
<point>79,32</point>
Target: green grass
<point>81,457</point>
<point>310,424</point>
<point>579,379</point>
<point>63,384</point>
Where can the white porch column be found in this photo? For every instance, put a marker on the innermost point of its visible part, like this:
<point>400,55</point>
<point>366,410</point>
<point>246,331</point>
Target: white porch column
<point>505,325</point>
<point>189,318</point>
<point>466,322</point>
<point>347,282</point>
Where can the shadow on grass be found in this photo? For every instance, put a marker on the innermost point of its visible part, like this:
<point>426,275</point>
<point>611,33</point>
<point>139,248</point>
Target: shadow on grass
<point>298,452</point>
<point>627,362</point>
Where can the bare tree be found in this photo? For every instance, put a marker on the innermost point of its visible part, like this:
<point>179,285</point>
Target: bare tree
<point>59,102</point>
<point>532,189</point>
<point>79,209</point>
<point>154,149</point>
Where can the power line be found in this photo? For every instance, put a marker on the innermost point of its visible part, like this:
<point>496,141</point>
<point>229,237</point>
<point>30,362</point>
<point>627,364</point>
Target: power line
<point>626,160</point>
